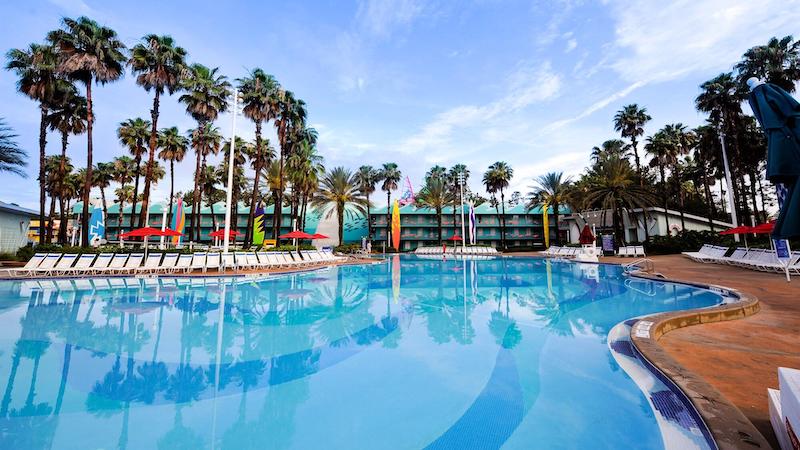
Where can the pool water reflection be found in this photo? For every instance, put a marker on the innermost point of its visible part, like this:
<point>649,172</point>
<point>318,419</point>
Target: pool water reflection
<point>447,354</point>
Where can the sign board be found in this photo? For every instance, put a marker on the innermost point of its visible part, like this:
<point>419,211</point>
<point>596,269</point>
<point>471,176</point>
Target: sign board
<point>784,255</point>
<point>608,244</point>
<point>269,243</point>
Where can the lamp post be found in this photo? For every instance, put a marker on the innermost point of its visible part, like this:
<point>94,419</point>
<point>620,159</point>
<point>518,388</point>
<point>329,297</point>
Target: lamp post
<point>463,236</point>
<point>734,219</point>
<point>229,190</point>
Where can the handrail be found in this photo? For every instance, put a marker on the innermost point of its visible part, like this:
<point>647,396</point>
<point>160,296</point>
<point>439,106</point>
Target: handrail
<point>643,264</point>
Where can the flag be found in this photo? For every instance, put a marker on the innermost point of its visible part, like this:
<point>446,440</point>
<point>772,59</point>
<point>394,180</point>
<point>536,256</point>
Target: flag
<point>546,225</point>
<point>473,230</point>
<point>396,226</point>
<point>178,221</point>
<point>259,226</point>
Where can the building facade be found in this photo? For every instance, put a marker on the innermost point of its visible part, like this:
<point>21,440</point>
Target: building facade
<point>14,225</point>
<point>659,222</point>
<point>418,226</point>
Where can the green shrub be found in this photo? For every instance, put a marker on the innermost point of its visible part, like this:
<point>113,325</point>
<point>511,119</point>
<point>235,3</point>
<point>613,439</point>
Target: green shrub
<point>347,248</point>
<point>8,256</point>
<point>684,241</point>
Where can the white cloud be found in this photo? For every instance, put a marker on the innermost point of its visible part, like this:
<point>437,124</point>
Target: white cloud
<point>572,44</point>
<point>73,6</point>
<point>526,86</point>
<point>380,17</point>
<point>661,41</point>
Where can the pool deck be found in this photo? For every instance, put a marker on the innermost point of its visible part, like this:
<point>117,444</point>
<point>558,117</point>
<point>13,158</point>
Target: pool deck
<point>740,358</point>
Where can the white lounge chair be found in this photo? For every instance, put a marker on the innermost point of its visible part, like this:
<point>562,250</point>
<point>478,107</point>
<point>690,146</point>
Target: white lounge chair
<point>228,262</point>
<point>101,262</point>
<point>263,260</point>
<point>213,261</point>
<point>32,263</point>
<point>82,266</point>
<point>53,262</point>
<point>199,262</point>
<point>184,263</point>
<point>65,263</point>
<point>116,264</point>
<point>151,263</point>
<point>132,264</point>
<point>168,263</point>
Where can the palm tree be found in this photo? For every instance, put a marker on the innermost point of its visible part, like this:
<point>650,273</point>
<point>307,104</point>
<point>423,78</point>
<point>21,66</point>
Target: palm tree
<point>390,176</point>
<point>68,116</point>
<point>205,99</point>
<point>123,173</point>
<point>611,185</point>
<point>89,53</point>
<point>367,177</point>
<point>616,147</point>
<point>259,97</point>
<point>173,148</point>
<point>12,158</point>
<point>209,181</point>
<point>339,192</point>
<point>158,65</point>
<point>241,149</point>
<point>455,188</point>
<point>133,133</point>
<point>552,189</point>
<point>659,147</point>
<point>435,195</point>
<point>205,141</point>
<point>102,175</point>
<point>499,176</point>
<point>35,68</point>
<point>681,141</point>
<point>291,117</point>
<point>721,98</point>
<point>630,122</point>
<point>778,63</point>
<point>304,168</point>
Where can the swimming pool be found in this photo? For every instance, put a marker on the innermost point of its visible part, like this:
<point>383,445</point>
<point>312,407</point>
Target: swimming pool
<point>413,353</point>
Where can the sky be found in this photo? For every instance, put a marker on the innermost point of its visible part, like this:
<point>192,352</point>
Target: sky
<point>419,83</point>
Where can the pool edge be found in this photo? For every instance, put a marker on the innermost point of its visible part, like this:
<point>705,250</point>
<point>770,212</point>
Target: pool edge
<point>729,427</point>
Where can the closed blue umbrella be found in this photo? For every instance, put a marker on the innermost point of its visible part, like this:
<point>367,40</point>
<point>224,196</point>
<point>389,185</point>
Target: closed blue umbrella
<point>779,116</point>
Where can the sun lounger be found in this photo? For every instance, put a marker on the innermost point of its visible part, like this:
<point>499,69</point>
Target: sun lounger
<point>168,263</point>
<point>276,260</point>
<point>82,265</point>
<point>132,264</point>
<point>213,261</point>
<point>151,263</point>
<point>247,260</point>
<point>183,264</point>
<point>116,264</point>
<point>263,260</point>
<point>198,262</point>
<point>101,262</point>
<point>32,263</point>
<point>47,265</point>
<point>228,262</point>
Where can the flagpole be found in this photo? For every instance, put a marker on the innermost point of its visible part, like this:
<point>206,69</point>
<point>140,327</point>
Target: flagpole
<point>229,193</point>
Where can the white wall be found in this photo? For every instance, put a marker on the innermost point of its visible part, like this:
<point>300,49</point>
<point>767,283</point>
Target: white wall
<point>13,231</point>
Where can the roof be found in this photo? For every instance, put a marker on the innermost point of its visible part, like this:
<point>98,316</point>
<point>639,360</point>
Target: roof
<point>14,208</point>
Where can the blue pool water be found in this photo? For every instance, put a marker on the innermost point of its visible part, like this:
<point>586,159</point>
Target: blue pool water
<point>415,353</point>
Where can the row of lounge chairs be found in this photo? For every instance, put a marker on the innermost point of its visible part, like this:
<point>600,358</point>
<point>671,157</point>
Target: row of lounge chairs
<point>57,264</point>
<point>761,259</point>
<point>561,252</point>
<point>632,250</point>
<point>457,250</point>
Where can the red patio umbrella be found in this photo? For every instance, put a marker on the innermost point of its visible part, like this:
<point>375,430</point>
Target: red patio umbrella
<point>764,228</point>
<point>141,232</point>
<point>742,229</point>
<point>586,237</point>
<point>221,233</point>
<point>170,232</point>
<point>318,236</point>
<point>296,234</point>
<point>455,237</point>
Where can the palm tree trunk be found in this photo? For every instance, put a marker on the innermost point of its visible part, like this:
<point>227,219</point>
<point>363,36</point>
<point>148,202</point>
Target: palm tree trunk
<point>439,223</point>
<point>388,217</point>
<point>196,193</point>
<point>340,219</point>
<point>503,218</point>
<point>709,200</point>
<point>369,218</point>
<point>753,195</point>
<point>148,173</point>
<point>278,214</point>
<point>121,208</point>
<point>49,238</point>
<point>213,215</point>
<point>42,145</point>
<point>87,185</point>
<point>638,164</point>
<point>136,187</point>
<point>62,226</point>
<point>248,236</point>
<point>555,221</point>
<point>171,188</point>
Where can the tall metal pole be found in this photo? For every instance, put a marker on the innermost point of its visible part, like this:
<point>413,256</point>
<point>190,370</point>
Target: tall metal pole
<point>463,236</point>
<point>734,219</point>
<point>229,193</point>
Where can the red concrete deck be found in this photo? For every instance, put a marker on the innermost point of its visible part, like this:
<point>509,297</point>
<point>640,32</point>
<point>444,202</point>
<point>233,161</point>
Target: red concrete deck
<point>740,358</point>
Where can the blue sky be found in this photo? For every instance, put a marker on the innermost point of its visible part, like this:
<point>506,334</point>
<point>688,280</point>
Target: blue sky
<point>420,83</point>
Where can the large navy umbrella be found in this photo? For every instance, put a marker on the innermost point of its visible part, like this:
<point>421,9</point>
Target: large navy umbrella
<point>779,116</point>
